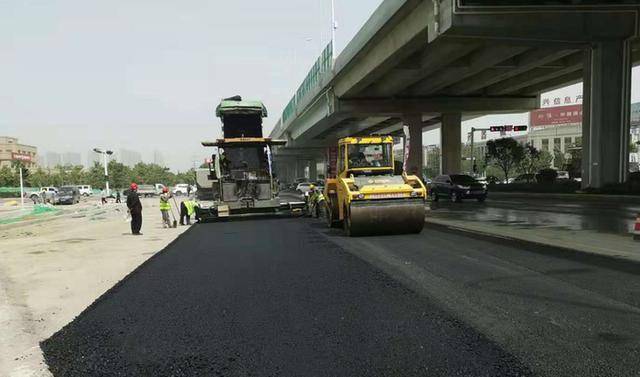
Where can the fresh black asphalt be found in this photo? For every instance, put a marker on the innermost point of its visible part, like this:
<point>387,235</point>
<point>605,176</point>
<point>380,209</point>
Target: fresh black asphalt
<point>275,297</point>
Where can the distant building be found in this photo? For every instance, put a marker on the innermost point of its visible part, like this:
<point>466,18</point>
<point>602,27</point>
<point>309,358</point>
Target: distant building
<point>71,158</point>
<point>128,157</point>
<point>158,158</point>
<point>52,159</point>
<point>11,150</point>
<point>634,158</point>
<point>558,130</point>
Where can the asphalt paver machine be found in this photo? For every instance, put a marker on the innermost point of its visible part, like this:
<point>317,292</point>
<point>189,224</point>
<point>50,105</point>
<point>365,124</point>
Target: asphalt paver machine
<point>240,179</point>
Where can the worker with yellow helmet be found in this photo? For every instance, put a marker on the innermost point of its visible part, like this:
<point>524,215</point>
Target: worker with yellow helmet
<point>315,204</point>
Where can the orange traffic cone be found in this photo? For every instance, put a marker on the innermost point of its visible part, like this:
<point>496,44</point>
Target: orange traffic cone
<point>636,229</point>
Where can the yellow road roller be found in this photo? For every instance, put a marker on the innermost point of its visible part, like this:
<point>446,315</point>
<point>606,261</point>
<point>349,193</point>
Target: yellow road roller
<point>367,197</point>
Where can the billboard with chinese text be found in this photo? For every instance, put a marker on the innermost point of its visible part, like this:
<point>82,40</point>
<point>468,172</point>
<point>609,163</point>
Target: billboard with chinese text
<point>556,116</point>
<point>21,157</point>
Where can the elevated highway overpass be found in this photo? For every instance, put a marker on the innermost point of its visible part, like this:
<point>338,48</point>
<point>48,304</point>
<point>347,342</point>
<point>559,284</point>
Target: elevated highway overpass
<point>433,63</point>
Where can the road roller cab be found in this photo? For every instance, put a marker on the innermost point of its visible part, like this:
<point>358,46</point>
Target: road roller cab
<point>366,197</point>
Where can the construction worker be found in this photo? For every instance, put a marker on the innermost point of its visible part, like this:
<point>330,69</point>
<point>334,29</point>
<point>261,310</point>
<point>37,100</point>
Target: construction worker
<point>316,201</point>
<point>307,197</point>
<point>196,209</point>
<point>135,209</point>
<point>187,209</point>
<point>165,207</point>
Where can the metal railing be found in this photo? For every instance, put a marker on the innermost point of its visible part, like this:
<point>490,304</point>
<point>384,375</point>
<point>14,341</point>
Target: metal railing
<point>312,81</point>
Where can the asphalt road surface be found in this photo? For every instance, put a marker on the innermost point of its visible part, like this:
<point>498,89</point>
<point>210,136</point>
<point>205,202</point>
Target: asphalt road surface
<point>534,212</point>
<point>288,297</point>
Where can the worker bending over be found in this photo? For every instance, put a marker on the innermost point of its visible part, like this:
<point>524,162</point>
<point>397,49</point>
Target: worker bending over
<point>165,207</point>
<point>316,202</point>
<point>187,209</point>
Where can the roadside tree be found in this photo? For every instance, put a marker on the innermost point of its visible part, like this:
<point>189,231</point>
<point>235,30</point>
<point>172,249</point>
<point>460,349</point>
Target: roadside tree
<point>76,175</point>
<point>40,178</point>
<point>533,160</point>
<point>119,175</point>
<point>504,153</point>
<point>152,173</point>
<point>95,175</point>
<point>15,165</point>
<point>8,177</point>
<point>188,177</point>
<point>559,160</point>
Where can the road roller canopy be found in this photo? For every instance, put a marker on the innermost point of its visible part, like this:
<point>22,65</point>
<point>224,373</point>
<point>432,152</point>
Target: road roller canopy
<point>366,140</point>
<point>366,155</point>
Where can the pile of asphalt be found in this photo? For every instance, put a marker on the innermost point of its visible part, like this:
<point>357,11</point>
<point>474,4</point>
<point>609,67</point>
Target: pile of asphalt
<point>267,298</point>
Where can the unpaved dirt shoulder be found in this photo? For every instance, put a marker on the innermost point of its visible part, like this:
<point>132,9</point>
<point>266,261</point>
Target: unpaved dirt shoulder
<point>50,271</point>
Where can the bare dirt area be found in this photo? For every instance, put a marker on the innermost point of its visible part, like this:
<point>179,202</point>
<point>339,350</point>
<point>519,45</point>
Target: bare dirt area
<point>53,267</point>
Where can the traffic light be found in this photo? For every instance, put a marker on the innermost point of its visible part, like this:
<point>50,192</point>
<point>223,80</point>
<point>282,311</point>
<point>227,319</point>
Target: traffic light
<point>507,128</point>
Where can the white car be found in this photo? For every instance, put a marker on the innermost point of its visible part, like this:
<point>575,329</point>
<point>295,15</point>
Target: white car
<point>85,190</point>
<point>181,189</point>
<point>46,194</point>
<point>303,187</point>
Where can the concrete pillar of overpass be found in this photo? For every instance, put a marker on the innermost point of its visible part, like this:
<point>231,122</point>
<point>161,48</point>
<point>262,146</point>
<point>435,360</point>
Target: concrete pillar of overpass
<point>450,133</point>
<point>313,170</point>
<point>606,114</point>
<point>300,168</point>
<point>414,160</point>
<point>287,175</point>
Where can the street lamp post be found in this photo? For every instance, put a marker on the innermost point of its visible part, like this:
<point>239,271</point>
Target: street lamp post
<point>21,189</point>
<point>334,26</point>
<point>105,153</point>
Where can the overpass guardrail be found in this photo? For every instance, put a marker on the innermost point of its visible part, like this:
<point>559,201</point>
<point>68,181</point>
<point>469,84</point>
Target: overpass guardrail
<point>313,80</point>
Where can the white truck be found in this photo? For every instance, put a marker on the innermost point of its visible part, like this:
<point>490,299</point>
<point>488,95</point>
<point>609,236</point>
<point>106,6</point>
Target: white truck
<point>150,190</point>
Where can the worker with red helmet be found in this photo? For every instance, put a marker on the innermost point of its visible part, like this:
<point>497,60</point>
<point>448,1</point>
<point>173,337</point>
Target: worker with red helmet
<point>135,209</point>
<point>165,207</point>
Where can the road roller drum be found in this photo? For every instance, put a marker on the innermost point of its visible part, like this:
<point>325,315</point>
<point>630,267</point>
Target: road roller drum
<point>385,217</point>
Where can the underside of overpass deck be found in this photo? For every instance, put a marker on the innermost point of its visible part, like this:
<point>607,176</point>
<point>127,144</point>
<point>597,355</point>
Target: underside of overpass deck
<point>415,61</point>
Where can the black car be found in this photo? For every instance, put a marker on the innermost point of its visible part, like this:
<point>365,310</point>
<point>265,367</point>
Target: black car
<point>68,195</point>
<point>457,187</point>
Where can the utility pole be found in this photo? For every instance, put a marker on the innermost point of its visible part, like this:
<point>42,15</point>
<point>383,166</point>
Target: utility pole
<point>105,153</point>
<point>474,166</point>
<point>334,26</point>
<point>21,188</point>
